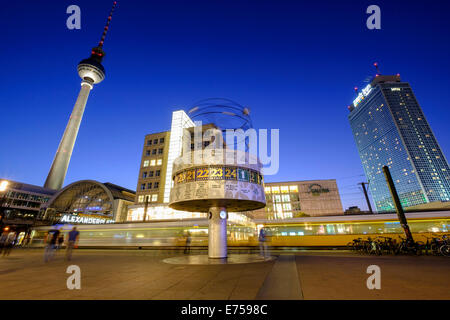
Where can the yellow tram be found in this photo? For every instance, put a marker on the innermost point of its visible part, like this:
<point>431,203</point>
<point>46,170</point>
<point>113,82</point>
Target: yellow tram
<point>334,231</point>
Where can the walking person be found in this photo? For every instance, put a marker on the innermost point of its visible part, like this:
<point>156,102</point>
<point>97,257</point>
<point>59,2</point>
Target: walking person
<point>187,248</point>
<point>72,242</point>
<point>3,237</point>
<point>27,240</point>
<point>60,241</point>
<point>9,243</point>
<point>262,242</point>
<point>52,239</point>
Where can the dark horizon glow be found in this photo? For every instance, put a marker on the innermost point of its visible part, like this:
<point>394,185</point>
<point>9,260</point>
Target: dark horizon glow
<point>293,63</point>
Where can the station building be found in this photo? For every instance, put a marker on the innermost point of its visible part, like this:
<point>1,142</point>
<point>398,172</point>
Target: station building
<point>20,202</point>
<point>88,202</point>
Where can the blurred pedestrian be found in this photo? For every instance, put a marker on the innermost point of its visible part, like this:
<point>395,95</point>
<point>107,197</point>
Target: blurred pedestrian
<point>72,242</point>
<point>9,243</point>
<point>60,241</point>
<point>3,237</point>
<point>187,248</point>
<point>262,242</point>
<point>52,239</point>
<point>27,240</point>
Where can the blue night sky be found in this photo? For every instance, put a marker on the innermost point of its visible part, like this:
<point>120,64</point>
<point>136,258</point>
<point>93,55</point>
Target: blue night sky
<point>294,63</point>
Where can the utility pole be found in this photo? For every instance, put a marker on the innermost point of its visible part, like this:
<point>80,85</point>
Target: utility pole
<point>397,204</point>
<point>363,184</point>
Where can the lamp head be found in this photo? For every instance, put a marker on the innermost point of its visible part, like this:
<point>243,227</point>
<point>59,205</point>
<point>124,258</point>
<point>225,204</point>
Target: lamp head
<point>3,185</point>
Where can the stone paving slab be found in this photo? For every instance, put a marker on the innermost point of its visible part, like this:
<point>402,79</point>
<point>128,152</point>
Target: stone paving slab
<point>402,277</point>
<point>283,282</point>
<point>142,274</point>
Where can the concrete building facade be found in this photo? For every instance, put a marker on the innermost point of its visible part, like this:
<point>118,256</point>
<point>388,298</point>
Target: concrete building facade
<point>293,199</point>
<point>153,169</point>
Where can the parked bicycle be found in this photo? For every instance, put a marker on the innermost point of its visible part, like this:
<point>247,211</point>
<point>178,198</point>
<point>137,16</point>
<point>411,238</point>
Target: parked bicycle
<point>444,249</point>
<point>435,245</point>
<point>432,245</point>
<point>407,246</point>
<point>387,245</point>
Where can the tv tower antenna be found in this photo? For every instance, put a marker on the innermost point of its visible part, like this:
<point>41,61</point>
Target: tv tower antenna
<point>377,67</point>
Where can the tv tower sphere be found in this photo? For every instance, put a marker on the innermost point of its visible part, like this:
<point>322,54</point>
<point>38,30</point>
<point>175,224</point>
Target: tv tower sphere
<point>91,71</point>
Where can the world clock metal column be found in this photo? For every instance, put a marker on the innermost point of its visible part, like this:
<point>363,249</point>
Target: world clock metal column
<point>91,71</point>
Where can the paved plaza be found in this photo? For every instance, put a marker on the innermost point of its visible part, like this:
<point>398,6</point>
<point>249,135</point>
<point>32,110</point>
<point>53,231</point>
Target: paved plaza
<point>142,274</point>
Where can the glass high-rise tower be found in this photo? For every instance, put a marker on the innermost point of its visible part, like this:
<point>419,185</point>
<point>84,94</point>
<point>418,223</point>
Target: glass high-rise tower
<point>390,129</point>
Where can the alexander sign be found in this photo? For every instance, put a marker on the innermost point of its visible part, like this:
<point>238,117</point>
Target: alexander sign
<point>70,218</point>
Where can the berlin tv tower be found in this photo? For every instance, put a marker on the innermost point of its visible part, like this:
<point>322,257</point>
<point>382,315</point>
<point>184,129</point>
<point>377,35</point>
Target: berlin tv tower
<point>92,72</point>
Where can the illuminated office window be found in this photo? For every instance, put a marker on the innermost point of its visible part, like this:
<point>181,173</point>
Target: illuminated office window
<point>293,188</point>
<point>159,162</point>
<point>267,189</point>
<point>275,189</point>
<point>141,199</point>
<point>146,163</point>
<point>284,189</point>
<point>152,163</point>
<point>154,197</point>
